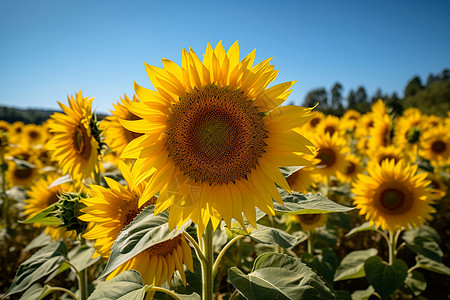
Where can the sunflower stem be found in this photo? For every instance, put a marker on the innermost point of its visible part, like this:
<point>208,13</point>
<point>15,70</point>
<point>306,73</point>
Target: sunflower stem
<point>5,205</point>
<point>309,243</point>
<point>391,247</point>
<point>207,265</point>
<point>394,246</point>
<point>235,293</point>
<point>83,278</point>
<point>222,252</point>
<point>163,290</point>
<point>197,248</point>
<point>56,289</point>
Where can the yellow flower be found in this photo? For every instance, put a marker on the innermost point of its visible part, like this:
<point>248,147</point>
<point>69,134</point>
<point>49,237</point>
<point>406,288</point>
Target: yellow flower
<point>331,153</point>
<point>365,122</point>
<point>380,133</point>
<point>314,122</point>
<point>33,134</point>
<point>302,180</point>
<point>407,132</point>
<point>393,196</point>
<point>112,210</point>
<point>435,145</point>
<point>310,222</point>
<point>353,167</point>
<point>215,135</point>
<point>438,186</point>
<point>117,136</point>
<point>23,173</point>
<point>330,124</point>
<point>387,153</point>
<point>40,197</point>
<point>5,126</point>
<point>73,144</point>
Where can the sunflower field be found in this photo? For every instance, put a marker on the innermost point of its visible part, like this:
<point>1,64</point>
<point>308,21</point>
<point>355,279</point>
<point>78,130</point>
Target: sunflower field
<point>209,187</point>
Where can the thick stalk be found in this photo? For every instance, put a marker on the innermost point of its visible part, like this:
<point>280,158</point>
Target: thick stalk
<point>207,265</point>
<point>83,279</point>
<point>5,205</point>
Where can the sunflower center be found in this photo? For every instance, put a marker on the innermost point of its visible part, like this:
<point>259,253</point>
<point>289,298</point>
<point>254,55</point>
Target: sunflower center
<point>215,135</point>
<point>351,168</point>
<point>438,146</point>
<point>309,218</point>
<point>314,122</point>
<point>165,247</point>
<point>81,142</point>
<point>33,135</point>
<point>327,157</point>
<point>23,173</point>
<point>392,199</point>
<point>330,129</point>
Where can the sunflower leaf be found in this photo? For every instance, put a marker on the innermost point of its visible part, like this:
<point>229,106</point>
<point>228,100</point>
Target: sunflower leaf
<point>415,283</point>
<point>60,180</point>
<point>352,265</point>
<point>427,247</point>
<point>44,217</point>
<point>144,231</point>
<point>127,285</point>
<point>432,265</point>
<point>43,262</point>
<point>363,294</point>
<point>363,227</point>
<point>297,203</point>
<point>273,236</point>
<point>279,276</point>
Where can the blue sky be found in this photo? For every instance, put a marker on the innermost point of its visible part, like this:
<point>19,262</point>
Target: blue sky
<point>50,49</point>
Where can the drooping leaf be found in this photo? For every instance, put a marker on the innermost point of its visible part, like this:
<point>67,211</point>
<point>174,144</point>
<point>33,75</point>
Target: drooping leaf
<point>385,278</point>
<point>63,179</point>
<point>296,203</point>
<point>44,217</point>
<point>425,231</point>
<point>278,276</point>
<point>426,247</point>
<point>34,292</point>
<point>363,227</point>
<point>273,236</point>
<point>143,232</point>
<point>126,285</point>
<point>352,265</point>
<point>41,240</point>
<point>432,265</point>
<point>415,283</point>
<point>42,263</point>
<point>363,294</point>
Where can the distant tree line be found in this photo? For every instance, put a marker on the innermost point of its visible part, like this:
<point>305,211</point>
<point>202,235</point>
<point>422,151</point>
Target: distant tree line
<point>432,97</point>
<point>28,116</point>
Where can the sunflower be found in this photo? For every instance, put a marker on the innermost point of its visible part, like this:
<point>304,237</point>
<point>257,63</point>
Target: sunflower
<point>310,222</point>
<point>365,122</point>
<point>387,153</point>
<point>436,183</point>
<point>312,124</point>
<point>215,136</point>
<point>353,167</point>
<point>117,136</point>
<point>112,210</point>
<point>5,126</point>
<point>330,124</point>
<point>431,121</point>
<point>40,197</point>
<point>22,172</point>
<point>331,153</point>
<point>407,132</point>
<point>349,121</point>
<point>302,180</point>
<point>393,196</point>
<point>33,134</point>
<point>436,145</point>
<point>73,144</point>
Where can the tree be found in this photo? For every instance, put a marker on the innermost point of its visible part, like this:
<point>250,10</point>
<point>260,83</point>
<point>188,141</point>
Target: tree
<point>351,100</point>
<point>336,96</point>
<point>378,95</point>
<point>317,96</point>
<point>413,86</point>
<point>362,104</point>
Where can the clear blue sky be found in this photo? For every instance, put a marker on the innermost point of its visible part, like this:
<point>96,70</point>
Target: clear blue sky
<point>49,49</point>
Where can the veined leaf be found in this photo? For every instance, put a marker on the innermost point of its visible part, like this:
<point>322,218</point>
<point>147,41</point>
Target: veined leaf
<point>352,265</point>
<point>273,236</point>
<point>43,262</point>
<point>143,232</point>
<point>278,276</point>
<point>44,217</point>
<point>126,285</point>
<point>363,227</point>
<point>296,203</point>
<point>432,265</point>
<point>426,247</point>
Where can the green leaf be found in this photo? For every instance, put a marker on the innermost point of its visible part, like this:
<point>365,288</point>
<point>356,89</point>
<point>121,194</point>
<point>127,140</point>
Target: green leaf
<point>426,247</point>
<point>143,232</point>
<point>325,264</point>
<point>43,262</point>
<point>63,179</point>
<point>273,236</point>
<point>34,292</point>
<point>415,283</point>
<point>425,231</point>
<point>41,240</point>
<point>297,203</point>
<point>352,265</point>
<point>126,285</point>
<point>385,278</point>
<point>342,295</point>
<point>363,294</point>
<point>44,217</point>
<point>288,171</point>
<point>432,265</point>
<point>363,227</point>
<point>278,276</point>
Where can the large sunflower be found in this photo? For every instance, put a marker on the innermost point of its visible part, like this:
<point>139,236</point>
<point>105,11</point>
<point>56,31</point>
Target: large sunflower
<point>215,136</point>
<point>117,136</point>
<point>393,196</point>
<point>40,197</point>
<point>73,144</point>
<point>113,209</point>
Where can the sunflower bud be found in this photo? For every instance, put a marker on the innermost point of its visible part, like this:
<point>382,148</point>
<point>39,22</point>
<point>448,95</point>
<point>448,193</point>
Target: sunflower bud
<point>413,135</point>
<point>68,210</point>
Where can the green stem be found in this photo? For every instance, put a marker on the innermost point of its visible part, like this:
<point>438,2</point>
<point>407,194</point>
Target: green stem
<point>55,289</point>
<point>394,245</point>
<point>391,248</point>
<point>83,278</point>
<point>309,243</point>
<point>216,263</point>
<point>235,293</point>
<point>197,248</point>
<point>207,265</point>
<point>4,197</point>
<point>159,289</point>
